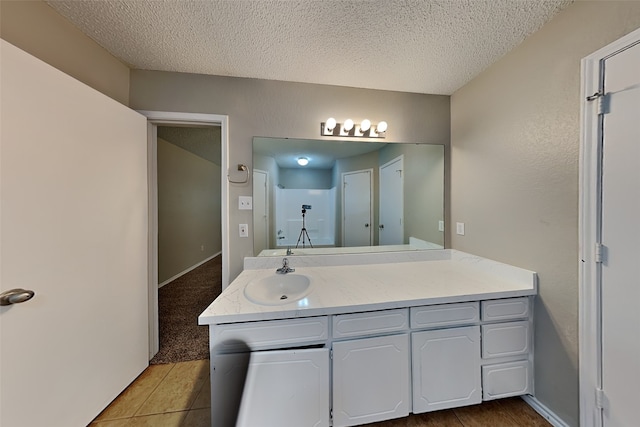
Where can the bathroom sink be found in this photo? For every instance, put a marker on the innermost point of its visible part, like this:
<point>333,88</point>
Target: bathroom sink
<point>278,289</point>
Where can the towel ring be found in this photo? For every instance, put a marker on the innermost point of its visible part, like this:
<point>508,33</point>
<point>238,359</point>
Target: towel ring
<point>241,167</point>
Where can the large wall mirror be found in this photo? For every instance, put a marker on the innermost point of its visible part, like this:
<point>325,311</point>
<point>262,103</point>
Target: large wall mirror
<point>333,196</point>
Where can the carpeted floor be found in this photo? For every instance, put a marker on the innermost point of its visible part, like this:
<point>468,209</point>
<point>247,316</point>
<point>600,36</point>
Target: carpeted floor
<point>180,302</point>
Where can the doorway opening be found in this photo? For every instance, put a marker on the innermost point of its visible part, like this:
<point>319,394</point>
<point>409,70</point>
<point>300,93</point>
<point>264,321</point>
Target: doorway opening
<point>201,252</point>
<point>189,237</point>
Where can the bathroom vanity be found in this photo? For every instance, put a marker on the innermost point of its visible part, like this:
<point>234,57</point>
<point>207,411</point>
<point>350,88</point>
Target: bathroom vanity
<point>368,337</point>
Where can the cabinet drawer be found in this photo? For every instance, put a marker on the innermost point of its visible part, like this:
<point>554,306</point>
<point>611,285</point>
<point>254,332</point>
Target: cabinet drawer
<point>444,315</point>
<point>503,309</point>
<point>506,379</point>
<point>268,334</point>
<point>505,339</point>
<point>375,322</point>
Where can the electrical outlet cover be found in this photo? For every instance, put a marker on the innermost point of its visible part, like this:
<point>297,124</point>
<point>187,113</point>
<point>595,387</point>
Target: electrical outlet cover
<point>245,202</point>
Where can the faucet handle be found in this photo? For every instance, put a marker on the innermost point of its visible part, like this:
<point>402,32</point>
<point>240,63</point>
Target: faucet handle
<point>285,262</point>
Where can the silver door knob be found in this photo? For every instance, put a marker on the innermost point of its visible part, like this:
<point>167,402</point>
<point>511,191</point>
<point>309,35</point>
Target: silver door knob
<point>381,226</point>
<point>15,296</point>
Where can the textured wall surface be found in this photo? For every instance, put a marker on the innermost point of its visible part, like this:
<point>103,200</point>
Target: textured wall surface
<point>514,176</point>
<point>36,28</point>
<point>277,109</point>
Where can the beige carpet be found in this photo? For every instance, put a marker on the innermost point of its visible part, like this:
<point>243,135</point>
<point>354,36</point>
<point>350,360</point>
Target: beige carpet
<point>180,302</point>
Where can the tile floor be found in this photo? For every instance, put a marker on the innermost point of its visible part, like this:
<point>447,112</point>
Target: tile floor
<point>171,395</point>
<point>179,395</point>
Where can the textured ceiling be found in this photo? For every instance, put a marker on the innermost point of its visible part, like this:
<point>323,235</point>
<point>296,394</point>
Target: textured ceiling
<point>428,46</point>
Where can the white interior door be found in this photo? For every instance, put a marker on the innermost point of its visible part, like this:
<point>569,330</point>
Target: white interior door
<point>392,202</point>
<point>260,211</point>
<point>356,202</point>
<point>620,236</point>
<point>73,180</point>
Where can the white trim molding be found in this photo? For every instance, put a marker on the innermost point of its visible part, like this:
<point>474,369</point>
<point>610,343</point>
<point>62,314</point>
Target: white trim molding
<point>590,337</point>
<point>544,412</point>
<point>183,272</point>
<point>156,118</point>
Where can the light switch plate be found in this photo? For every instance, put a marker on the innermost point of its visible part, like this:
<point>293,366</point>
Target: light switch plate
<point>440,225</point>
<point>460,228</point>
<point>245,202</point>
<point>244,230</point>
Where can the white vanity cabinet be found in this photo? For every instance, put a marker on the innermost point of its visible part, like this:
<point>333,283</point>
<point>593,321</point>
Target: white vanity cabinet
<point>446,356</point>
<point>371,380</point>
<point>446,368</point>
<point>271,373</point>
<point>286,388</point>
<point>507,348</point>
<point>356,368</point>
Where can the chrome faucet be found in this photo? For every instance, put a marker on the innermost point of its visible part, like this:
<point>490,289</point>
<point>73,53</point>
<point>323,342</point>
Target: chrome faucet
<point>285,267</point>
<point>289,251</point>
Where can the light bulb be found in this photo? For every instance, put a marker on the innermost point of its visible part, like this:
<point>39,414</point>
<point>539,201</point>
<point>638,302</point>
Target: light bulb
<point>330,124</point>
<point>348,125</point>
<point>303,161</point>
<point>365,125</point>
<point>382,127</point>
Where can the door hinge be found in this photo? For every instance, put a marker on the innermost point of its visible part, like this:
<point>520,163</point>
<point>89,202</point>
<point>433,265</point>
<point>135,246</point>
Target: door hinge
<point>601,399</point>
<point>602,102</point>
<point>331,354</point>
<point>598,253</point>
<point>331,414</point>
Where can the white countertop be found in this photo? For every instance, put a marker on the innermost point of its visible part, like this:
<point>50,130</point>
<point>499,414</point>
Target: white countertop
<point>374,283</point>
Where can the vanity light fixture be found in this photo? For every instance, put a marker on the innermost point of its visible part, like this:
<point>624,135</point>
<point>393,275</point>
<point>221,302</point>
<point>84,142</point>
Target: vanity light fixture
<point>331,124</point>
<point>303,161</point>
<point>348,125</point>
<point>351,129</point>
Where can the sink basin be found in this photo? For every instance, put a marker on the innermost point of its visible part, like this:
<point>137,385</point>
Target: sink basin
<point>278,289</point>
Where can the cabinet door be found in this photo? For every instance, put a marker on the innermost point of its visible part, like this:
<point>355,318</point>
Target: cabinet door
<point>370,380</point>
<point>287,388</point>
<point>446,368</point>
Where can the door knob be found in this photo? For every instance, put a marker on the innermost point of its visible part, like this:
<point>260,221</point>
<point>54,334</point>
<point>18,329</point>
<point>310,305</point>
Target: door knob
<point>15,296</point>
<point>366,225</point>
<point>381,226</point>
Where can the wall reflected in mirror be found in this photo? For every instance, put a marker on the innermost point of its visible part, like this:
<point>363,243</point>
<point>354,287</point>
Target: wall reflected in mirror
<point>351,196</point>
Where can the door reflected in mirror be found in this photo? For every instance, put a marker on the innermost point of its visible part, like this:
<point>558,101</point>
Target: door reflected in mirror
<point>349,196</point>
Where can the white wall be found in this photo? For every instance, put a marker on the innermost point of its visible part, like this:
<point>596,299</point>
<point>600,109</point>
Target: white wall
<point>514,176</point>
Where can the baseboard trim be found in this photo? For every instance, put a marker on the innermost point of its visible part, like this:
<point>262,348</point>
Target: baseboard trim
<point>545,412</point>
<point>193,267</point>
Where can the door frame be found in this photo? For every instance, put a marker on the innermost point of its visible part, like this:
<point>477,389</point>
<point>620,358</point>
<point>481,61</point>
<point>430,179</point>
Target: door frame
<point>166,118</point>
<point>266,207</point>
<point>370,171</point>
<point>399,158</point>
<point>589,227</point>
